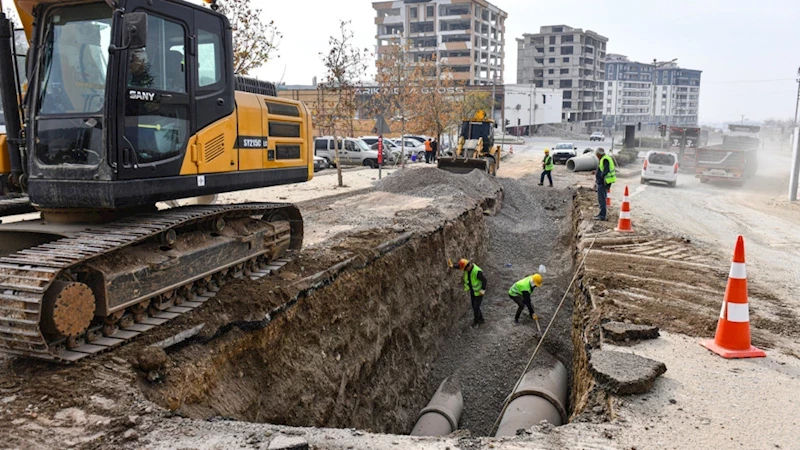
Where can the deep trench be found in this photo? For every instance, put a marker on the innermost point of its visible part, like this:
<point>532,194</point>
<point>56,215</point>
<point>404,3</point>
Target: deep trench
<point>368,347</point>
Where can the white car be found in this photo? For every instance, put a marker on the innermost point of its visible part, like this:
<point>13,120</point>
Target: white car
<point>597,136</point>
<point>412,148</point>
<point>563,152</point>
<point>660,166</point>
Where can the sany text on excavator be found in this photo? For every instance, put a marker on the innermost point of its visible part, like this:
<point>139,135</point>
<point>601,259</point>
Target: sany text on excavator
<point>476,149</point>
<point>130,103</point>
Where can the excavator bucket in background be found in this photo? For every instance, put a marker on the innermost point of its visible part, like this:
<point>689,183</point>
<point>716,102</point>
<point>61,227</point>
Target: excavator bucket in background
<point>462,165</point>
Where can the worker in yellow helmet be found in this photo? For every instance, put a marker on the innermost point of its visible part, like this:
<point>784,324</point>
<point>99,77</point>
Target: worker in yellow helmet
<point>475,284</point>
<point>547,166</point>
<point>521,292</point>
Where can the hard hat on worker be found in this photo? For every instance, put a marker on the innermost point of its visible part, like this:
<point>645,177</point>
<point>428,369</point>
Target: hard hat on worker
<point>463,263</point>
<point>537,279</point>
<point>546,151</point>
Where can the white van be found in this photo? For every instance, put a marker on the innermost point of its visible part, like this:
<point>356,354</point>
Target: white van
<point>660,166</point>
<point>352,152</point>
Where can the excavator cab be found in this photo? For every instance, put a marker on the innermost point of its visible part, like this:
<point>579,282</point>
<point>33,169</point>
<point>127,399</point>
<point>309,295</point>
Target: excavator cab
<point>475,148</point>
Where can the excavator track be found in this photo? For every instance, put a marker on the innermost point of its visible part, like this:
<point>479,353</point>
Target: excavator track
<point>140,272</point>
<point>13,204</point>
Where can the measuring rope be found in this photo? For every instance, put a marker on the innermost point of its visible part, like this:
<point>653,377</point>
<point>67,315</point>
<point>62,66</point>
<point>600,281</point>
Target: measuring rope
<point>535,351</point>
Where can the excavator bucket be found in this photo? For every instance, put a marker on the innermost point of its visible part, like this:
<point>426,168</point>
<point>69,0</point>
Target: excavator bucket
<point>463,165</point>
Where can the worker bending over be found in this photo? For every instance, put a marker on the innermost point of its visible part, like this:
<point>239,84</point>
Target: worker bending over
<point>521,292</point>
<point>475,284</point>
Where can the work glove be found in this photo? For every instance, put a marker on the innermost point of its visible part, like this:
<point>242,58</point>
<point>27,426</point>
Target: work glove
<point>483,291</point>
<point>450,263</point>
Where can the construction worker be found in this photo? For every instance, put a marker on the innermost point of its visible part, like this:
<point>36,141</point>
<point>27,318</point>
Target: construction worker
<point>428,151</point>
<point>605,176</point>
<point>521,292</point>
<point>475,284</point>
<point>547,165</point>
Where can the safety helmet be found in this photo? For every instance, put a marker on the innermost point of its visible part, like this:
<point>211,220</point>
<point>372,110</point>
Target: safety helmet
<point>537,279</point>
<point>463,263</point>
<point>547,150</point>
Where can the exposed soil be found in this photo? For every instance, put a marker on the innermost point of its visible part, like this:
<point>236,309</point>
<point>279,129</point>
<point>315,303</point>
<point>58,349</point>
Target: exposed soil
<point>533,228</point>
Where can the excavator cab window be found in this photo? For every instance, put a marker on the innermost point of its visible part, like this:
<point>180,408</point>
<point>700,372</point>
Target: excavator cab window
<point>72,84</point>
<point>156,107</point>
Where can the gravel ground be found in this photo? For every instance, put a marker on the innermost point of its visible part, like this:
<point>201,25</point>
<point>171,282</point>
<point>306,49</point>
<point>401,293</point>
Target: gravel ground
<point>704,401</point>
<point>534,227</point>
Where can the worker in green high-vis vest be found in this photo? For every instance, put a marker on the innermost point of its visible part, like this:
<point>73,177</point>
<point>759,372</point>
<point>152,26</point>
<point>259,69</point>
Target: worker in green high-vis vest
<point>605,176</point>
<point>521,292</point>
<point>548,166</point>
<point>475,284</point>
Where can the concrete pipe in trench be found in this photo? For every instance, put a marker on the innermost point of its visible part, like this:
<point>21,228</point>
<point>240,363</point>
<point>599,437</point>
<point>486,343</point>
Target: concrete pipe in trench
<point>443,412</point>
<point>582,163</point>
<point>542,395</point>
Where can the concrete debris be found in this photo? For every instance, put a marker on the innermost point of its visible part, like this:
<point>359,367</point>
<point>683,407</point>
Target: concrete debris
<point>559,132</point>
<point>625,373</point>
<point>151,359</point>
<point>431,182</point>
<point>620,332</point>
<point>284,442</point>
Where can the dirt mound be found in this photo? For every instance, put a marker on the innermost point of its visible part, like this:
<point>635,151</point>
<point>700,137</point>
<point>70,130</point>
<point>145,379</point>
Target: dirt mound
<point>431,182</point>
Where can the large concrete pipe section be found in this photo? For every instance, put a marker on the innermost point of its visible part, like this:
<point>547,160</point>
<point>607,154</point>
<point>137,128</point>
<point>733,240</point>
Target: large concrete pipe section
<point>542,395</point>
<point>582,163</point>
<point>443,412</point>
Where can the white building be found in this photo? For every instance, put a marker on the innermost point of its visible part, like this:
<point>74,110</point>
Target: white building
<point>527,104</point>
<point>629,92</point>
<point>467,35</point>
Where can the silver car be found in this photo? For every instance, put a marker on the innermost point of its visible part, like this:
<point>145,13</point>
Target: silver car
<point>352,152</point>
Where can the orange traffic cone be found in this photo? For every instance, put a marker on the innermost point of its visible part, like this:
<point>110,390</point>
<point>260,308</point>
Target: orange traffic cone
<point>608,198</point>
<point>733,330</point>
<point>624,224</point>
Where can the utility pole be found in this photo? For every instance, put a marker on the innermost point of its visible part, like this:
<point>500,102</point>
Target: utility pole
<point>793,177</point>
<point>494,86</point>
<point>531,104</point>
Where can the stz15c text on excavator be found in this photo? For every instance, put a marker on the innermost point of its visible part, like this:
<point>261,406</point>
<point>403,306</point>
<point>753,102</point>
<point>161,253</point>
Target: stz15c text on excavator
<point>129,103</point>
<point>476,149</point>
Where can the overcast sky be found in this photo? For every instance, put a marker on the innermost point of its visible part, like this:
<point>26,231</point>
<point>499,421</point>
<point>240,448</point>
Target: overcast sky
<point>749,51</point>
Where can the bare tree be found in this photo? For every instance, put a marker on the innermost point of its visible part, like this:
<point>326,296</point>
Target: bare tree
<point>436,103</point>
<point>337,104</point>
<point>400,79</point>
<point>255,42</point>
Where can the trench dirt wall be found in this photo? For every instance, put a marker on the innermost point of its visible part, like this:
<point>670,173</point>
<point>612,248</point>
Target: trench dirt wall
<point>352,351</point>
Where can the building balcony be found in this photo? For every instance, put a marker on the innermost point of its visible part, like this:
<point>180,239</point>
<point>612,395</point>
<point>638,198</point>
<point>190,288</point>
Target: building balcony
<point>457,17</point>
<point>457,61</point>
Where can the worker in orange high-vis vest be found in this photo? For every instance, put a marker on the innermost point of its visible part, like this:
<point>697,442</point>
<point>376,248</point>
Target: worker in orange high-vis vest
<point>428,151</point>
<point>475,284</point>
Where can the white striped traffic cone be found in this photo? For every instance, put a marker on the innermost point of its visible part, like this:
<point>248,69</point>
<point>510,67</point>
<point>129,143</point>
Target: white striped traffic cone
<point>733,330</point>
<point>624,224</point>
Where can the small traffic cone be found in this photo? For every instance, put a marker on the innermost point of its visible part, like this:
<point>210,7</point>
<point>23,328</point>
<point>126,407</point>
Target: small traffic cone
<point>624,224</point>
<point>608,198</point>
<point>733,330</point>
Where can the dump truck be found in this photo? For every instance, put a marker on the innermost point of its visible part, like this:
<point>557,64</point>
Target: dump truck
<point>684,142</point>
<point>736,159</point>
<point>475,149</point>
<point>131,103</point>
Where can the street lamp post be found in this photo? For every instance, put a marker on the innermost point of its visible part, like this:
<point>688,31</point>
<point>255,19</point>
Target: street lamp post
<point>796,147</point>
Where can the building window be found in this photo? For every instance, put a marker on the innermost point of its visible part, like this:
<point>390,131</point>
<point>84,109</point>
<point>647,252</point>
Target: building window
<point>566,105</point>
<point>552,40</point>
<point>558,29</point>
<point>413,12</point>
<point>564,71</point>
<point>567,95</point>
<point>567,39</point>
<point>539,60</point>
<point>544,99</point>
<point>565,84</point>
<point>609,92</point>
<point>566,60</point>
<point>552,60</point>
<point>549,82</point>
<point>550,71</point>
<point>566,50</point>
<point>429,12</point>
<point>551,49</point>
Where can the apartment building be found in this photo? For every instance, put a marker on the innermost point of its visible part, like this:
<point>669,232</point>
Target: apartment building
<point>467,35</point>
<point>677,95</point>
<point>569,59</point>
<point>628,92</point>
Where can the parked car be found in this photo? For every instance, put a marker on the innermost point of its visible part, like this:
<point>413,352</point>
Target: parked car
<point>597,136</point>
<point>353,152</point>
<point>320,163</point>
<point>413,147</point>
<point>660,166</point>
<point>564,151</point>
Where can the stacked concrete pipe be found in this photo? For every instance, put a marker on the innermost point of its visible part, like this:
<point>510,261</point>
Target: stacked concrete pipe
<point>542,395</point>
<point>582,163</point>
<point>443,412</point>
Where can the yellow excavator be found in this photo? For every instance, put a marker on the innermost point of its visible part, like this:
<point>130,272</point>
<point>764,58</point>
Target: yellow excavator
<point>130,103</point>
<point>476,149</point>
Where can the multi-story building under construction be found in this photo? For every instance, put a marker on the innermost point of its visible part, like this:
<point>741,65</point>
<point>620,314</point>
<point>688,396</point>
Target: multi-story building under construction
<point>466,35</point>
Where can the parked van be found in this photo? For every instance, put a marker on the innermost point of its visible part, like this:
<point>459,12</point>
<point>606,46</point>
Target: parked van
<point>352,152</point>
<point>660,166</point>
